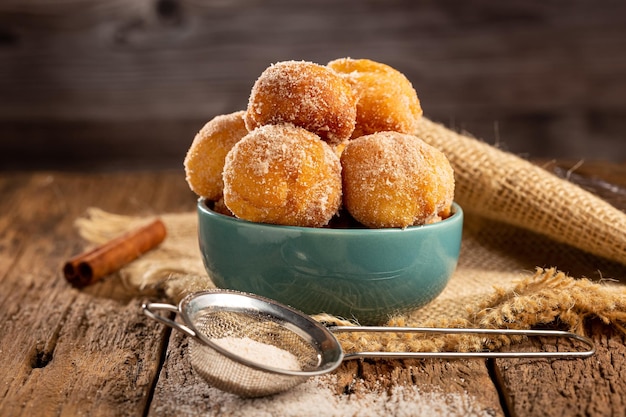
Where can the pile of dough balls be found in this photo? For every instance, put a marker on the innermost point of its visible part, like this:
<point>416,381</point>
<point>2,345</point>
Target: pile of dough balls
<point>319,140</point>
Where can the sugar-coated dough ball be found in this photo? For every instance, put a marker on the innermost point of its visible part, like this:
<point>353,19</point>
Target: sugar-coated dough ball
<point>386,99</point>
<point>283,174</point>
<point>305,94</point>
<point>392,179</point>
<point>205,158</point>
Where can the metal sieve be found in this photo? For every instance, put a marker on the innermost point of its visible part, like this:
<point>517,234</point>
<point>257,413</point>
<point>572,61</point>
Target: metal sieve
<point>272,347</point>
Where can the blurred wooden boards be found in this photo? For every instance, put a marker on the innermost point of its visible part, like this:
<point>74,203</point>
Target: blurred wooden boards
<point>95,84</point>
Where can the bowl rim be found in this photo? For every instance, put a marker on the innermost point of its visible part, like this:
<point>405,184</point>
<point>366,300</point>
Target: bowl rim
<point>457,215</point>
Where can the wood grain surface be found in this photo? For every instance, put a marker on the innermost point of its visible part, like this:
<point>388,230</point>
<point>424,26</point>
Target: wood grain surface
<point>69,352</point>
<point>106,84</point>
<point>92,351</point>
<point>543,387</point>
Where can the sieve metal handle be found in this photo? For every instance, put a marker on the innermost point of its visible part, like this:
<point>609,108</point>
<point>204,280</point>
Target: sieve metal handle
<point>487,354</point>
<point>150,309</point>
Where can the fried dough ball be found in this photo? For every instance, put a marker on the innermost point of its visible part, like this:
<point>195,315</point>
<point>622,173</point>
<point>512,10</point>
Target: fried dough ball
<point>205,158</point>
<point>283,174</point>
<point>305,94</point>
<point>386,99</point>
<point>392,179</point>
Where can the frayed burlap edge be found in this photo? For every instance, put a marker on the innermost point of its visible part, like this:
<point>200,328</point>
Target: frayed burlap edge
<point>545,299</point>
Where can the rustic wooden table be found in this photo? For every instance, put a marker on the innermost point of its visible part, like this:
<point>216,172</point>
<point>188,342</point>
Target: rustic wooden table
<point>71,352</point>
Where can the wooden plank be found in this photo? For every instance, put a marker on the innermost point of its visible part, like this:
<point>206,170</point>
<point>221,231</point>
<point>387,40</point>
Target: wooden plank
<point>95,145</point>
<point>452,378</point>
<point>592,387</point>
<point>455,388</point>
<point>73,352</point>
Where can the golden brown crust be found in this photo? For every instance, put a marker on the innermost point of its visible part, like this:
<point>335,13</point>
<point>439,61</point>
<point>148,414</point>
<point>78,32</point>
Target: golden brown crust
<point>283,174</point>
<point>386,99</point>
<point>205,158</point>
<point>315,139</point>
<point>305,94</point>
<point>392,179</point>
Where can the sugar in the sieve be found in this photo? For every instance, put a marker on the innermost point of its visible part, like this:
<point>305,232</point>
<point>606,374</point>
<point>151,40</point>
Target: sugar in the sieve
<point>260,353</point>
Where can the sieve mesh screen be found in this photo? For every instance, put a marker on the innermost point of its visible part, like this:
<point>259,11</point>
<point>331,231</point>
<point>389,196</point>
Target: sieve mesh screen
<point>258,338</point>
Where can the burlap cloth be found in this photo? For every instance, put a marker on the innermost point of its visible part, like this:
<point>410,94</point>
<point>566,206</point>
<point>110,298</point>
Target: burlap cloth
<point>537,251</point>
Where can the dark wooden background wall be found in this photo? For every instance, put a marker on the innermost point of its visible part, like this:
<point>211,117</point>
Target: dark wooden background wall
<point>111,84</point>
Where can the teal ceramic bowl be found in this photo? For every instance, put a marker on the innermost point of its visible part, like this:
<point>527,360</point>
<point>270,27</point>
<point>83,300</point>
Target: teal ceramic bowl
<point>363,274</point>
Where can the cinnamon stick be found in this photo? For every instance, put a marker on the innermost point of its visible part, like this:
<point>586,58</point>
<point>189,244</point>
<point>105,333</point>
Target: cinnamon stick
<point>90,266</point>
